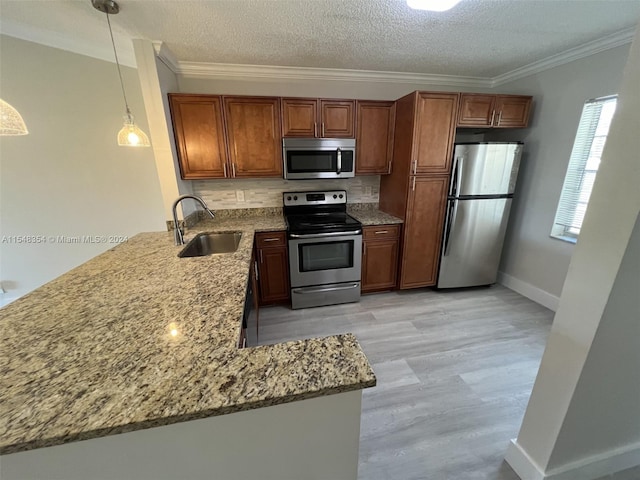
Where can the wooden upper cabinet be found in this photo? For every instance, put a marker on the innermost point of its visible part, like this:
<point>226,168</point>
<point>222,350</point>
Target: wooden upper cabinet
<point>374,137</point>
<point>337,118</point>
<point>423,231</point>
<point>512,111</point>
<point>476,110</point>
<point>199,133</point>
<point>435,125</point>
<point>494,111</point>
<point>300,117</point>
<point>312,117</point>
<point>254,136</point>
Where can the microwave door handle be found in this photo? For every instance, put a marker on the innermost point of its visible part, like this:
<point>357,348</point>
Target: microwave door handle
<point>339,162</point>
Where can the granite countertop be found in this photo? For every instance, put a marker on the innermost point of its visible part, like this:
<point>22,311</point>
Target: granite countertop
<point>92,353</point>
<point>371,215</point>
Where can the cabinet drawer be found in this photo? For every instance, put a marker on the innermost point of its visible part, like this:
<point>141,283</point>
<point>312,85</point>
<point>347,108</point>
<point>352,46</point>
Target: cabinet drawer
<point>381,232</point>
<point>271,239</point>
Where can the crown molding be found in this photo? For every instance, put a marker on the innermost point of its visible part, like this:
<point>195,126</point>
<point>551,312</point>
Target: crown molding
<point>69,43</point>
<point>227,70</point>
<point>617,39</point>
<point>166,56</point>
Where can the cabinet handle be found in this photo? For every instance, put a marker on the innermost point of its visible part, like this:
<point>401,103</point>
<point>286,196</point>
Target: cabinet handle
<point>413,183</point>
<point>322,129</point>
<point>415,166</point>
<point>493,115</point>
<point>499,117</point>
<point>255,269</point>
<point>389,170</point>
<point>381,232</point>
<point>315,129</point>
<point>233,167</point>
<point>261,257</point>
<point>225,170</point>
<point>270,239</point>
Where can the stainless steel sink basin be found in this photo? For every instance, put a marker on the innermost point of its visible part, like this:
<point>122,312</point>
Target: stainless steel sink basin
<point>211,243</point>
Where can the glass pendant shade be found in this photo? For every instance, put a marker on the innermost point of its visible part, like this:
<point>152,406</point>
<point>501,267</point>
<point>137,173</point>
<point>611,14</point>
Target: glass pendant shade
<point>11,122</point>
<point>130,135</point>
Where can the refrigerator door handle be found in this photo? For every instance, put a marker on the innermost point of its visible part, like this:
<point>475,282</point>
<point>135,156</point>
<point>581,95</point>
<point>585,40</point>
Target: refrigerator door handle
<point>456,177</point>
<point>452,211</point>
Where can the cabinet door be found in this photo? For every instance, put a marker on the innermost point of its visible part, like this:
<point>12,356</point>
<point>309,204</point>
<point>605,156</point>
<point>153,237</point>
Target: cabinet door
<point>300,117</point>
<point>374,139</point>
<point>254,136</point>
<point>423,231</point>
<point>337,119</point>
<point>512,111</point>
<point>435,127</point>
<point>476,110</point>
<point>199,132</point>
<point>273,275</point>
<point>379,264</point>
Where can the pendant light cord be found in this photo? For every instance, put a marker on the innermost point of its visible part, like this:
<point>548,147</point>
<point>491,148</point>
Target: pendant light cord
<point>118,65</point>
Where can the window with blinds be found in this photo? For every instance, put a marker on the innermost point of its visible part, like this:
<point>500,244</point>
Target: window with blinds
<point>583,166</point>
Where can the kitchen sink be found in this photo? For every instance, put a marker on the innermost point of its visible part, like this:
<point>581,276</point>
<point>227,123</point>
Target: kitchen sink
<point>211,243</point>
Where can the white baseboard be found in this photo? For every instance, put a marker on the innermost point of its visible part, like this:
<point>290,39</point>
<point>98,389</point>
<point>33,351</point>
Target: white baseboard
<point>522,463</point>
<point>589,468</point>
<point>526,289</point>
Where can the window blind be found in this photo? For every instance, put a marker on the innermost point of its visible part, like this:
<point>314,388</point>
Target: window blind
<point>583,166</point>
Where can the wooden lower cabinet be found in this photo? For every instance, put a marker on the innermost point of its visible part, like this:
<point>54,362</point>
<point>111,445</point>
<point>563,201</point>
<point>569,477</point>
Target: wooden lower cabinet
<point>423,231</point>
<point>273,267</point>
<point>380,257</point>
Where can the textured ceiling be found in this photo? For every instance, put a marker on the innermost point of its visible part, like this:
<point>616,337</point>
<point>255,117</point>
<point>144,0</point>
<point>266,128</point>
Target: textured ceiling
<point>480,38</point>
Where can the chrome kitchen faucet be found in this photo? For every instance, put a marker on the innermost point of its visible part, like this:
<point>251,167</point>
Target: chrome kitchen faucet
<point>178,233</point>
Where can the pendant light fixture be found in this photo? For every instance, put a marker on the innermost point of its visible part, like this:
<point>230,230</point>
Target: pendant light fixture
<point>11,122</point>
<point>130,135</point>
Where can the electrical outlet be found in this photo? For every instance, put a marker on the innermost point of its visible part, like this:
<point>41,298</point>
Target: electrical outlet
<point>368,190</point>
<point>240,195</point>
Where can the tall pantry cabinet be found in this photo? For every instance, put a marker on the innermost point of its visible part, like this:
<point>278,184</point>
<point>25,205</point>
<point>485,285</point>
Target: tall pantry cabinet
<point>416,189</point>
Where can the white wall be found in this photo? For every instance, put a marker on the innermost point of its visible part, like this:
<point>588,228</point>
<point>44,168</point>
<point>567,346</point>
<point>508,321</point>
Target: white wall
<point>156,81</point>
<point>68,176</point>
<point>534,263</point>
<point>370,90</point>
<point>583,417</point>
<point>315,439</point>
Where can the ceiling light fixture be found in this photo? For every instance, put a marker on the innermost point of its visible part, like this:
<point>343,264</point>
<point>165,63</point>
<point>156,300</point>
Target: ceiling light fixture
<point>130,135</point>
<point>433,5</point>
<point>11,122</point>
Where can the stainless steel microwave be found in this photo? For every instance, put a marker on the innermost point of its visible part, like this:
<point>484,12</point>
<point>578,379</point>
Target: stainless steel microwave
<point>309,158</point>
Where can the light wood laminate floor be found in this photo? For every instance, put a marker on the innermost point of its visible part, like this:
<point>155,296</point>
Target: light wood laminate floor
<point>455,370</point>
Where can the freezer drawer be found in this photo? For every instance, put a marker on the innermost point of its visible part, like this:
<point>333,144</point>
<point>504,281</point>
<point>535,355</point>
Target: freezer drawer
<point>472,244</point>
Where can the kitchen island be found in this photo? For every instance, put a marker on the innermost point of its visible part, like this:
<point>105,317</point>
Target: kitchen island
<point>139,338</point>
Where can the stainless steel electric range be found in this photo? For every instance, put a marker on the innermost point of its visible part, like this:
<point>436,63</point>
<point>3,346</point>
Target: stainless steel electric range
<point>325,248</point>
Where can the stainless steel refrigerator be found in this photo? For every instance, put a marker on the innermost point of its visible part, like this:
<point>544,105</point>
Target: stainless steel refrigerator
<point>483,179</point>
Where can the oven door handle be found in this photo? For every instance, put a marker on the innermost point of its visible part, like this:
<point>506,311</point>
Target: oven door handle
<point>325,289</point>
<point>328,234</point>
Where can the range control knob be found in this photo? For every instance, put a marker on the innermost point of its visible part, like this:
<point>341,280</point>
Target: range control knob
<point>335,196</point>
<point>289,198</point>
<point>341,195</point>
<point>295,197</point>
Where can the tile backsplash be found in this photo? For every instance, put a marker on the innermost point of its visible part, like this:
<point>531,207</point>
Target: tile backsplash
<point>260,193</point>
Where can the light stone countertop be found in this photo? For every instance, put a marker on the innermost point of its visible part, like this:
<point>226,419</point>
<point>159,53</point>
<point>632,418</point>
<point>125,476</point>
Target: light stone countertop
<point>371,216</point>
<point>91,353</point>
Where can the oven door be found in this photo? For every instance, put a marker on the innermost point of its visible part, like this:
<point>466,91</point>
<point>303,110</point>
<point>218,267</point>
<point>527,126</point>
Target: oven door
<point>324,258</point>
<point>318,161</point>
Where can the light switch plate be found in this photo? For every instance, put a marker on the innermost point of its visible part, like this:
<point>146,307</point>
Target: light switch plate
<point>240,195</point>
